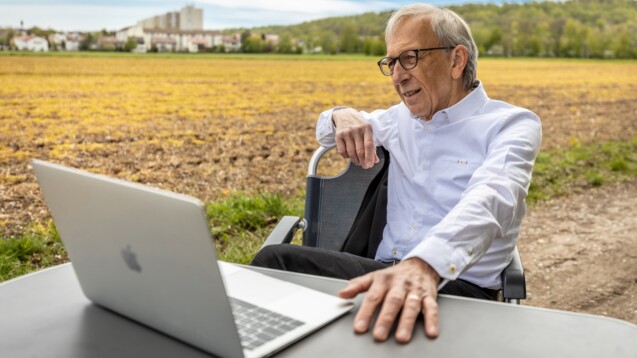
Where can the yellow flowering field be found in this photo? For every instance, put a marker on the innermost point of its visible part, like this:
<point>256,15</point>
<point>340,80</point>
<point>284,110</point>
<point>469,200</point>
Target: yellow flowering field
<point>208,126</point>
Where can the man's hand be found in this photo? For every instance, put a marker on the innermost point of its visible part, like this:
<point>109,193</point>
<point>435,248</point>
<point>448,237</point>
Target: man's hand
<point>354,138</point>
<point>412,286</point>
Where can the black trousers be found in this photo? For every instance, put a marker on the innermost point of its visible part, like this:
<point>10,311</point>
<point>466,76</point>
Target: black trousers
<point>328,263</point>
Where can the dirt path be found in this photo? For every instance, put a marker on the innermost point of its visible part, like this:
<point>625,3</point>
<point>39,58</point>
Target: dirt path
<point>580,252</point>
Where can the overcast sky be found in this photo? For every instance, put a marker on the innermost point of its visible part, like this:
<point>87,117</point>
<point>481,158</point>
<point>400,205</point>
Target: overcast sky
<point>93,15</point>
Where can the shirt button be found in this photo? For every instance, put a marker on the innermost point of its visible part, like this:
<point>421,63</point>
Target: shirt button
<point>470,251</point>
<point>394,252</point>
<point>452,268</point>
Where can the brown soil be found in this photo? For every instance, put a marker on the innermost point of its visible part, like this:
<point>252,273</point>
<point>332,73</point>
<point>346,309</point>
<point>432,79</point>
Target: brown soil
<point>580,253</point>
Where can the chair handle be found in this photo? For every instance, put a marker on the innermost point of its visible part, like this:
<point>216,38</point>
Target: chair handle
<point>316,157</point>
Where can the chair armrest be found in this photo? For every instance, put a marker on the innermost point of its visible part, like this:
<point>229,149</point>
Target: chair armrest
<point>513,281</point>
<point>284,231</point>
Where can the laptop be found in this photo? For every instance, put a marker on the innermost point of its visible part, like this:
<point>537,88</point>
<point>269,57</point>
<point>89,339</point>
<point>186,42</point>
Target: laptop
<point>148,254</point>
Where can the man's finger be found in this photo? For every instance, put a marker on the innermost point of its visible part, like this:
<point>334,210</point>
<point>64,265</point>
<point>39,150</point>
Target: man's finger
<point>370,149</point>
<point>351,148</point>
<point>341,146</point>
<point>360,149</point>
<point>411,310</point>
<point>392,304</point>
<point>356,286</point>
<point>430,311</point>
<point>372,301</point>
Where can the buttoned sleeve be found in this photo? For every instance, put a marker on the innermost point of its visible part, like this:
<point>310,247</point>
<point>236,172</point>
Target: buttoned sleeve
<point>325,130</point>
<point>381,120</point>
<point>488,208</point>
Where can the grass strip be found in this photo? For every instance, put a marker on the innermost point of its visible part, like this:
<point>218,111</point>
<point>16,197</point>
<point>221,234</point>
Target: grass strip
<point>562,171</point>
<point>241,223</point>
<point>37,248</point>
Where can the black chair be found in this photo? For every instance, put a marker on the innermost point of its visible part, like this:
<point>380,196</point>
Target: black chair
<point>332,204</point>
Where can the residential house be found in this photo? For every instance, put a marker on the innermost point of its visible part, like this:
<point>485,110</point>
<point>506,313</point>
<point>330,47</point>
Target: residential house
<point>108,43</point>
<point>181,41</point>
<point>30,43</point>
<point>69,41</point>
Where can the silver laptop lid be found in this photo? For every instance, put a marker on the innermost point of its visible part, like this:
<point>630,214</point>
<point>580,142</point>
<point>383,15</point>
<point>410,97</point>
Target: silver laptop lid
<point>152,259</point>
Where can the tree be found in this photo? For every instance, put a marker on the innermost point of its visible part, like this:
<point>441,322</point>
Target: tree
<point>285,44</point>
<point>374,47</point>
<point>327,43</point>
<point>494,39</point>
<point>86,43</point>
<point>253,44</point>
<point>130,44</point>
<point>348,39</point>
<point>6,39</point>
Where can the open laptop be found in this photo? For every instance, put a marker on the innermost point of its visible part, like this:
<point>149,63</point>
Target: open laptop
<point>148,255</point>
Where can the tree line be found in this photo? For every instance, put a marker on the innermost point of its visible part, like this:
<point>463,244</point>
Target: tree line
<point>575,28</point>
<point>571,28</point>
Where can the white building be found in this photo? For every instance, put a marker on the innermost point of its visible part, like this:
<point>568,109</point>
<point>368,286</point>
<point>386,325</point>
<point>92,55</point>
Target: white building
<point>189,18</point>
<point>177,31</point>
<point>181,41</point>
<point>31,43</point>
<point>69,41</point>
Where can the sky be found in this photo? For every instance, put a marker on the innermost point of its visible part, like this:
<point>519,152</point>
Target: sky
<point>94,15</point>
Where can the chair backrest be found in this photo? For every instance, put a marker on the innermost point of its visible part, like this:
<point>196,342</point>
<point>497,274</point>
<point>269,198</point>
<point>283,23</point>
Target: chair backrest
<point>332,203</point>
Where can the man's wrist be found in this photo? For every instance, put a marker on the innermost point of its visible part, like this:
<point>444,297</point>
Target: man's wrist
<point>336,109</point>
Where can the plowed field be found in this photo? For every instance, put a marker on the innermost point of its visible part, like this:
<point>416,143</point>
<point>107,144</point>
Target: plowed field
<point>210,126</point>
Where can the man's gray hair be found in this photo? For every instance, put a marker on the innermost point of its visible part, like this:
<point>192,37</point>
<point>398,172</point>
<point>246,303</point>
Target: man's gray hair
<point>450,29</point>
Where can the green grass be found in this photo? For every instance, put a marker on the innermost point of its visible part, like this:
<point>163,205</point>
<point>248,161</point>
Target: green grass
<point>566,170</point>
<point>38,247</point>
<point>241,223</point>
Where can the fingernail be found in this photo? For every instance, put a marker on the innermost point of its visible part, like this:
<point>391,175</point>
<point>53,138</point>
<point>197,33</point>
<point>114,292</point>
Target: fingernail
<point>433,331</point>
<point>361,325</point>
<point>380,331</point>
<point>403,334</point>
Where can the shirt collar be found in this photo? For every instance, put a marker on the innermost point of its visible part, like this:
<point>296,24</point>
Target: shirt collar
<point>467,106</point>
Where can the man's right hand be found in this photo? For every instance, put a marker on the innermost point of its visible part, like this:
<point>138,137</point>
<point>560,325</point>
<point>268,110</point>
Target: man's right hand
<point>354,138</point>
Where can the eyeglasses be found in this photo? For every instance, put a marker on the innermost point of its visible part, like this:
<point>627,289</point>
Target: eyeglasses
<point>408,59</point>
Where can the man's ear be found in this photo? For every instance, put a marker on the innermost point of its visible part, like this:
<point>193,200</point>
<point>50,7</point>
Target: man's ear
<point>459,61</point>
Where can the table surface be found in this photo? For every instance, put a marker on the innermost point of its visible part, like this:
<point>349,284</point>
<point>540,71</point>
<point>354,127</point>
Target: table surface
<point>45,314</point>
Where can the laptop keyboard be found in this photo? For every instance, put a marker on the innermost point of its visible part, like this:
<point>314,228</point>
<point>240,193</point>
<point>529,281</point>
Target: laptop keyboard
<point>258,325</point>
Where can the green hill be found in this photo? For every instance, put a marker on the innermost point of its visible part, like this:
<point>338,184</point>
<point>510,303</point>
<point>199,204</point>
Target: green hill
<point>576,28</point>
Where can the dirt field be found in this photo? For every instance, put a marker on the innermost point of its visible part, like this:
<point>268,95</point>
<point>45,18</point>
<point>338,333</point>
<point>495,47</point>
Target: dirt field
<point>580,253</point>
<point>208,127</point>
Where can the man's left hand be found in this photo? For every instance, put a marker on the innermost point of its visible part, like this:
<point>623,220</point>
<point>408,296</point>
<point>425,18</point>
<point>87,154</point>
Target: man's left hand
<point>411,285</point>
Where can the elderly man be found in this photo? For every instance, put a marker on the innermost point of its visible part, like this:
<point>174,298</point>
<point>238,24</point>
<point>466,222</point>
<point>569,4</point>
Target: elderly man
<point>459,173</point>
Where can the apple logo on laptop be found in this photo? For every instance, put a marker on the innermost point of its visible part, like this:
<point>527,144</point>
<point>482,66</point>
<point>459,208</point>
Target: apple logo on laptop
<point>131,259</point>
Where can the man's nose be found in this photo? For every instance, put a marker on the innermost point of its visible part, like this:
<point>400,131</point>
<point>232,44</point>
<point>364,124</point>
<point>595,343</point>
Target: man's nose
<point>400,74</point>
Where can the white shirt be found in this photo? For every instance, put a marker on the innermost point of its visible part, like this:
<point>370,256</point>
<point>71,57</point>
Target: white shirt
<point>456,185</point>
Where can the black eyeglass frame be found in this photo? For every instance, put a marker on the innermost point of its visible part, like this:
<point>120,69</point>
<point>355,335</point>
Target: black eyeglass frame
<point>392,60</point>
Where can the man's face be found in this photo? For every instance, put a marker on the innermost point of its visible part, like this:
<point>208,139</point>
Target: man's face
<point>426,88</point>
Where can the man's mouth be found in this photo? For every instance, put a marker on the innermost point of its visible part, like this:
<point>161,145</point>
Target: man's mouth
<point>411,93</point>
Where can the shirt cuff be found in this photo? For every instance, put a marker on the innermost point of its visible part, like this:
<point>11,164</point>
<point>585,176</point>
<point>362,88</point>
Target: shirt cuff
<point>445,259</point>
<point>325,130</point>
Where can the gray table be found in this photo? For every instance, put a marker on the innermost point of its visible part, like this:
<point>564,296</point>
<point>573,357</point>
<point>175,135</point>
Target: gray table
<point>45,314</point>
